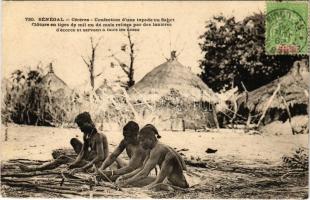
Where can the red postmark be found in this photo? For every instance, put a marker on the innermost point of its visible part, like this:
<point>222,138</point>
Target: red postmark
<point>287,49</point>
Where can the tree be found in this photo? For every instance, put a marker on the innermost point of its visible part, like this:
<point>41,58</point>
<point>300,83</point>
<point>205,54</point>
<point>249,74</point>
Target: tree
<point>90,62</point>
<point>127,68</point>
<point>234,53</point>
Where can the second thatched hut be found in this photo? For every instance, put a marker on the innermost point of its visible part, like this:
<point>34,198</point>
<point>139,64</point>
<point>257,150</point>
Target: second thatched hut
<point>282,99</point>
<point>172,97</point>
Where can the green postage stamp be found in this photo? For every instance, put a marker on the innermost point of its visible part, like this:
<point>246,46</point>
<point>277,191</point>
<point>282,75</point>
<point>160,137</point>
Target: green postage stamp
<point>286,28</point>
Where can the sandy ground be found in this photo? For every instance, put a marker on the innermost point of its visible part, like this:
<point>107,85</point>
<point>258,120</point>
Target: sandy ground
<point>37,143</point>
<point>245,166</point>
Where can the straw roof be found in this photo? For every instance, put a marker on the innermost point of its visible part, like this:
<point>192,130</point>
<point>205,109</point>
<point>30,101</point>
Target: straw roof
<point>52,81</point>
<point>172,75</point>
<point>294,88</point>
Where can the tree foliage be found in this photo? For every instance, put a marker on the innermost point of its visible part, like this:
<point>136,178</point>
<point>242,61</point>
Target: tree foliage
<point>234,53</point>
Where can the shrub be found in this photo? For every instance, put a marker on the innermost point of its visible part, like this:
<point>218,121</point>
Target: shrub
<point>298,160</point>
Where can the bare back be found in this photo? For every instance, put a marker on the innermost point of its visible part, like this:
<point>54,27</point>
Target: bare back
<point>168,154</point>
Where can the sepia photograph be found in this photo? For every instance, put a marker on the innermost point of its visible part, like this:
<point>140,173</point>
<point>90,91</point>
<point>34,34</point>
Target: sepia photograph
<point>155,99</point>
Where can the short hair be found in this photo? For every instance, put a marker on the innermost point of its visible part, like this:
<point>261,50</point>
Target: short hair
<point>131,126</point>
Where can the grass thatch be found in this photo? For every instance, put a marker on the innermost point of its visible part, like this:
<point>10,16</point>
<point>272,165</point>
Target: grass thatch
<point>54,83</point>
<point>172,75</point>
<point>293,88</point>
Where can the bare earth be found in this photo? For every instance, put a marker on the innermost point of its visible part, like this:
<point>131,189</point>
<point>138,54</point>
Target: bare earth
<point>245,166</point>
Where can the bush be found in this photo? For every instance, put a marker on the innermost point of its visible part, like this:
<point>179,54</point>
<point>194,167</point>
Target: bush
<point>299,159</point>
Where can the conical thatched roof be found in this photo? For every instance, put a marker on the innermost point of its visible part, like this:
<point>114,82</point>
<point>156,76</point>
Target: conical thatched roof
<point>294,87</point>
<point>172,75</point>
<point>52,81</point>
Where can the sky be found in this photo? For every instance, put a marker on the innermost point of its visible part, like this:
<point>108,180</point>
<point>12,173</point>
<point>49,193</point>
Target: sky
<point>25,46</point>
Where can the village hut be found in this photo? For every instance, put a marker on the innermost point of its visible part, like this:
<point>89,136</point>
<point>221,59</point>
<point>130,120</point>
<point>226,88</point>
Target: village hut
<point>58,100</point>
<point>282,98</point>
<point>172,75</point>
<point>53,82</point>
<point>173,81</point>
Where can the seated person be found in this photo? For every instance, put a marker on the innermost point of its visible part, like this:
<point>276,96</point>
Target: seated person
<point>93,151</point>
<point>170,162</point>
<point>134,151</point>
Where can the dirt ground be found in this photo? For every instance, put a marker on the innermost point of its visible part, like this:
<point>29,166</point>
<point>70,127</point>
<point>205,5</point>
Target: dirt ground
<point>244,166</point>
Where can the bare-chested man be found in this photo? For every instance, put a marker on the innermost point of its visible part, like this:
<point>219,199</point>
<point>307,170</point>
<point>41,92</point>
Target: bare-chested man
<point>94,150</point>
<point>170,162</point>
<point>134,151</point>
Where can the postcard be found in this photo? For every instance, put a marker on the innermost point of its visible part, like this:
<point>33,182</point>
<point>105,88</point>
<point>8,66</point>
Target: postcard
<point>155,99</point>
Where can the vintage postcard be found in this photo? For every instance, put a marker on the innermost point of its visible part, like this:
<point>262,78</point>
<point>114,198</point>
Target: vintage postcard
<point>155,99</point>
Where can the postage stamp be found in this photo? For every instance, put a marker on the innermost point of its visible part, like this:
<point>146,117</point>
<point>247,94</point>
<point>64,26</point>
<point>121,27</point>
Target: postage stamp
<point>286,28</point>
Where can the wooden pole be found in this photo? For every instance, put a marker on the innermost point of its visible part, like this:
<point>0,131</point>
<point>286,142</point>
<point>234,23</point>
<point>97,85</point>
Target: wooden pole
<point>268,105</point>
<point>235,112</point>
<point>248,122</point>
<point>288,112</point>
<point>6,133</point>
<point>235,107</point>
<point>214,116</point>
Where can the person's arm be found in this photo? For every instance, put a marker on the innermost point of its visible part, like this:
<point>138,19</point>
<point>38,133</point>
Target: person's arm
<point>102,151</point>
<point>135,162</point>
<point>112,157</point>
<point>122,178</point>
<point>100,143</point>
<point>129,175</point>
<point>150,164</point>
<point>78,159</point>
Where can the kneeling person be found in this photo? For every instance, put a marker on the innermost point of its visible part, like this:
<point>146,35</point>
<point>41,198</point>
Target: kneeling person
<point>170,162</point>
<point>134,151</point>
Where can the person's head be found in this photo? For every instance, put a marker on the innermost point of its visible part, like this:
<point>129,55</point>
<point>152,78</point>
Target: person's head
<point>148,136</point>
<point>130,132</point>
<point>85,123</point>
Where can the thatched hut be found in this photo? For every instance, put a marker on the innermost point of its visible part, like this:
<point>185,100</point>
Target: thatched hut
<point>178,96</point>
<point>282,98</point>
<point>172,75</point>
<point>57,99</point>
<point>53,82</point>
